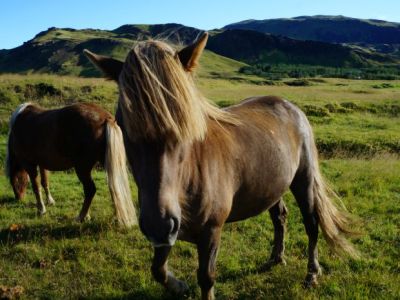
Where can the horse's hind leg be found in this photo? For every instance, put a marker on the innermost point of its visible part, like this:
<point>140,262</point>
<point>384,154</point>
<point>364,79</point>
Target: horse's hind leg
<point>302,189</point>
<point>278,214</point>
<point>44,177</point>
<point>33,174</point>
<point>162,275</point>
<point>89,189</point>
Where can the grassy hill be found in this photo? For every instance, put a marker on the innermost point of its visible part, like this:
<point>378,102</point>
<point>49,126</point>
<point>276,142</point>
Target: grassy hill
<point>369,34</point>
<point>256,47</point>
<point>59,50</point>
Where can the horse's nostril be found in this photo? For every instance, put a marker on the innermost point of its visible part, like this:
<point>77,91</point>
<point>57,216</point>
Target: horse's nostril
<point>174,225</point>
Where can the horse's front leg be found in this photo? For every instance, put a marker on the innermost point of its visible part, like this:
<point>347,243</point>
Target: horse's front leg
<point>33,174</point>
<point>207,248</point>
<point>161,274</point>
<point>44,177</point>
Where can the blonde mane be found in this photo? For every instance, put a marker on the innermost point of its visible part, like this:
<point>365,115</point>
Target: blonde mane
<point>159,100</point>
<point>13,118</point>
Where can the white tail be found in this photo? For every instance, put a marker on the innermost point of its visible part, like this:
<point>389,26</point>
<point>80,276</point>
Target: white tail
<point>117,176</point>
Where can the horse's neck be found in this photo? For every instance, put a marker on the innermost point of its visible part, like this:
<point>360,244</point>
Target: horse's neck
<point>216,153</point>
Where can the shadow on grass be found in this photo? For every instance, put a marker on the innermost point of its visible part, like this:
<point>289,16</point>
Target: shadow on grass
<point>22,233</point>
<point>140,295</point>
<point>8,200</point>
<point>235,274</point>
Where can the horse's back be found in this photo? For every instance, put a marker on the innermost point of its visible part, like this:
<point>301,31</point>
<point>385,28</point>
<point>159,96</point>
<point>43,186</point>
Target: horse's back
<point>57,138</point>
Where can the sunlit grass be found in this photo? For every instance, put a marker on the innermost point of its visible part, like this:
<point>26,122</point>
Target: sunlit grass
<point>55,257</point>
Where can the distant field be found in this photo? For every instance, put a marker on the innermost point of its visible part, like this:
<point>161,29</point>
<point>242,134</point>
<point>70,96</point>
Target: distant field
<point>357,127</point>
<point>350,117</point>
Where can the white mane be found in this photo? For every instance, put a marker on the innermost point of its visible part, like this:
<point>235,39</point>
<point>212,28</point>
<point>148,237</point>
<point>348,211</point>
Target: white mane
<point>19,110</point>
<point>14,116</point>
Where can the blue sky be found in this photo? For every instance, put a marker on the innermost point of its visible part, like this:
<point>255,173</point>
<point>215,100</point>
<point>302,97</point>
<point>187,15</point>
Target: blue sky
<point>20,20</point>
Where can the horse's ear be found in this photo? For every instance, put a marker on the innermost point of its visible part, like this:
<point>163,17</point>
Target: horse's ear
<point>190,55</point>
<point>110,67</point>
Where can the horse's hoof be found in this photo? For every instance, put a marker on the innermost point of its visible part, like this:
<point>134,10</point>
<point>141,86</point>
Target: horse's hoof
<point>177,287</point>
<point>51,201</point>
<point>79,219</point>
<point>311,281</point>
<point>82,219</point>
<point>41,212</point>
<point>272,263</point>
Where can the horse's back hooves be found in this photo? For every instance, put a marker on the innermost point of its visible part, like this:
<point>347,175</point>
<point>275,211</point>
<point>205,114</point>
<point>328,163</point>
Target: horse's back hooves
<point>311,281</point>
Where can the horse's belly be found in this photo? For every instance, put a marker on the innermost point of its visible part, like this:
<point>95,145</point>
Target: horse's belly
<point>245,206</point>
<point>48,160</point>
<point>258,194</point>
<point>57,166</point>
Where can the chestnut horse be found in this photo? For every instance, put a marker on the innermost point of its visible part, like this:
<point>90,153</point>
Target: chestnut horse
<point>197,166</point>
<point>76,136</point>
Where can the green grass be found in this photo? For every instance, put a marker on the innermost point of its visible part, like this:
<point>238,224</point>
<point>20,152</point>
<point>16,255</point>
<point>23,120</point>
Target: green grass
<point>355,124</point>
<point>55,257</point>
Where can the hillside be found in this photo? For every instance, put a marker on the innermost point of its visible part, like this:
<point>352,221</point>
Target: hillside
<point>371,35</point>
<point>256,47</point>
<point>330,29</point>
<point>59,50</point>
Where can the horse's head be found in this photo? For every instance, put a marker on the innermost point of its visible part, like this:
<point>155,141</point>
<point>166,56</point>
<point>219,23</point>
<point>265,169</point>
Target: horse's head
<point>162,114</point>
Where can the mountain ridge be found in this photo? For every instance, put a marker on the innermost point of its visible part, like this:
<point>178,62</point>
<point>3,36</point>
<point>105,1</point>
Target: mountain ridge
<point>331,29</point>
<point>59,50</point>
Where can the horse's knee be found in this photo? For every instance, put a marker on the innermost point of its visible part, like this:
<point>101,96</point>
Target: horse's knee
<point>205,280</point>
<point>159,274</point>
<point>90,189</point>
<point>283,212</point>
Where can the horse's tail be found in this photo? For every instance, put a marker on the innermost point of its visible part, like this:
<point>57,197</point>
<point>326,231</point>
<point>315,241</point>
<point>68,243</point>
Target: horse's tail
<point>14,172</point>
<point>334,220</point>
<point>117,175</point>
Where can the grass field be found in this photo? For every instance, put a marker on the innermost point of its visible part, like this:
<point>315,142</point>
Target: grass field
<point>358,132</point>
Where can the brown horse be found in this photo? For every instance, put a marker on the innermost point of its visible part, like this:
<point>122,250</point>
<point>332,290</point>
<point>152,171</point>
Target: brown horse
<point>76,136</point>
<point>197,166</point>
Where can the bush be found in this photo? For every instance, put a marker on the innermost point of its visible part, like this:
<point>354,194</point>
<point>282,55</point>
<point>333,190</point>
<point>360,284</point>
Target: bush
<point>39,90</point>
<point>383,86</point>
<point>350,106</point>
<point>299,82</point>
<point>224,103</point>
<point>315,111</point>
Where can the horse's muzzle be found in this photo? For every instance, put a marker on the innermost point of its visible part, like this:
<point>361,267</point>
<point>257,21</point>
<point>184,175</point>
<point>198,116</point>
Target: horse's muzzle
<point>161,233</point>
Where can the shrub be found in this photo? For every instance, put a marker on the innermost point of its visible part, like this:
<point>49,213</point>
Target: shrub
<point>224,103</point>
<point>383,86</point>
<point>39,90</point>
<point>299,82</point>
<point>316,111</point>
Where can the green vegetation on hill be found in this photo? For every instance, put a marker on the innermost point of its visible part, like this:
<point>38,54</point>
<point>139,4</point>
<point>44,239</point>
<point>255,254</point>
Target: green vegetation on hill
<point>59,50</point>
<point>277,71</point>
